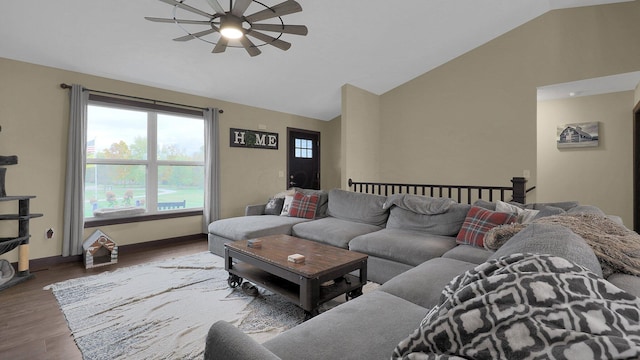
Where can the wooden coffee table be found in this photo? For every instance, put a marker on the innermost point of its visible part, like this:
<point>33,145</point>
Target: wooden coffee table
<point>268,267</point>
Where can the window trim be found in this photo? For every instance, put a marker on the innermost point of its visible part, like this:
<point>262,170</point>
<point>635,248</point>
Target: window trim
<point>97,222</point>
<point>122,103</point>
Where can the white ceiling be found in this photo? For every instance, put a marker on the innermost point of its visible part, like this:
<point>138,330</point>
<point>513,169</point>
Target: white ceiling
<point>372,44</point>
<point>587,87</point>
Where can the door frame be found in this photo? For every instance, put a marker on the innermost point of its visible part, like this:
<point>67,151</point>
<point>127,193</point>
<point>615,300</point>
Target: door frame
<point>636,167</point>
<point>289,145</point>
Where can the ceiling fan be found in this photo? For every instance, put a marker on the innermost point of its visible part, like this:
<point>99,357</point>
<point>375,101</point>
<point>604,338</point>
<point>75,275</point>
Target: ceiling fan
<point>234,28</point>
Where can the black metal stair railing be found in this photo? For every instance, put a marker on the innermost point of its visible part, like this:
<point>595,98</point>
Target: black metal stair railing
<point>460,193</point>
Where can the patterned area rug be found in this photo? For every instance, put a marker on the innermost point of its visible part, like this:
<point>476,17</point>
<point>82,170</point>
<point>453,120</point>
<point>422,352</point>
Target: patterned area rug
<point>163,310</point>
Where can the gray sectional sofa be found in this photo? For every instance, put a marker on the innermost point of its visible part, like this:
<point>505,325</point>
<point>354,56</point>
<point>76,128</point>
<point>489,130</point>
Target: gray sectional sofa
<point>393,231</point>
<point>426,276</point>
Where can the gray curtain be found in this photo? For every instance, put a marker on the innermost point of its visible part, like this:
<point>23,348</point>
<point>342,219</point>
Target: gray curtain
<point>212,169</point>
<point>74,185</point>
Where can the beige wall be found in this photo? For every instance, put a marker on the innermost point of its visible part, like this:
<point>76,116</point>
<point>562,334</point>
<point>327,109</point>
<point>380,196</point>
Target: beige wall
<point>601,176</point>
<point>637,95</point>
<point>331,161</point>
<point>473,119</point>
<point>360,135</point>
<point>34,116</point>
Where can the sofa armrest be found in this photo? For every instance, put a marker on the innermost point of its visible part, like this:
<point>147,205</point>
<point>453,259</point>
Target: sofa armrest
<point>225,341</point>
<point>254,209</point>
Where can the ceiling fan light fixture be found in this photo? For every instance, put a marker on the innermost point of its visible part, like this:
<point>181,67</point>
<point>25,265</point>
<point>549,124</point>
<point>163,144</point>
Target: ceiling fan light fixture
<point>231,27</point>
<point>234,26</point>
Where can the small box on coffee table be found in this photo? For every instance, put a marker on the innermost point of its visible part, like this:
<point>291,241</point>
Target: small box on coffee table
<point>255,243</point>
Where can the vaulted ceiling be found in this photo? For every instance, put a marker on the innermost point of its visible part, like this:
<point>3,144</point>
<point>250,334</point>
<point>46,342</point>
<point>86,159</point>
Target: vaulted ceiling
<point>372,44</point>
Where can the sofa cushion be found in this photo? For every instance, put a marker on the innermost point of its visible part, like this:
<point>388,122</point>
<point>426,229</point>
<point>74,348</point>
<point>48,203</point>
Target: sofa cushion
<point>564,205</point>
<point>404,246</point>
<point>548,211</point>
<point>447,223</point>
<point>304,206</point>
<point>423,284</point>
<point>358,207</point>
<point>626,282</point>
<point>485,204</point>
<point>249,227</point>
<point>586,209</point>
<point>367,327</point>
<point>554,240</point>
<point>332,231</point>
<point>478,221</point>
<point>468,253</point>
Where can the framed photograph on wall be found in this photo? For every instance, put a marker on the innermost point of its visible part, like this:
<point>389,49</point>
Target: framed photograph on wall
<point>577,135</point>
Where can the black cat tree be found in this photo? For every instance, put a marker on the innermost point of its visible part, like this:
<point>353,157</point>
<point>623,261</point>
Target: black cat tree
<point>8,277</point>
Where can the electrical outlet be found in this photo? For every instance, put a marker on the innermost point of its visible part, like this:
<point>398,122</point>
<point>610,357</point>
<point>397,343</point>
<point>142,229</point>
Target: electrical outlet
<point>49,233</point>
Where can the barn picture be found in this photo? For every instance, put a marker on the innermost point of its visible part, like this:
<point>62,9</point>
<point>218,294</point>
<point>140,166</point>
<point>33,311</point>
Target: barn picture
<point>578,135</point>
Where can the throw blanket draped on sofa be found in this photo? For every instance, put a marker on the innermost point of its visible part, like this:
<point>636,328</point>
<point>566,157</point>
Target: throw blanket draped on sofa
<point>527,306</point>
<point>617,248</point>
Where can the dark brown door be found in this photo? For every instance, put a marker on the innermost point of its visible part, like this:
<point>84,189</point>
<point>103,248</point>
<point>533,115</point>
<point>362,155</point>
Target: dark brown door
<point>303,163</point>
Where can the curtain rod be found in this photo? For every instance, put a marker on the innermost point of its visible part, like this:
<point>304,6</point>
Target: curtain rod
<point>66,86</point>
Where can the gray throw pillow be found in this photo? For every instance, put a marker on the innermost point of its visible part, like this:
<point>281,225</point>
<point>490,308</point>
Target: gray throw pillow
<point>485,204</point>
<point>274,206</point>
<point>555,240</point>
<point>549,211</point>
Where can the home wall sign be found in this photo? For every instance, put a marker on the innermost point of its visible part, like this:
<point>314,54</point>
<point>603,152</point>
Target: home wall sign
<point>253,139</point>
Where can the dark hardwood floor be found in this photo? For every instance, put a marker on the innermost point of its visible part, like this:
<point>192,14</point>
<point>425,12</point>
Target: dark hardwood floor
<point>31,323</point>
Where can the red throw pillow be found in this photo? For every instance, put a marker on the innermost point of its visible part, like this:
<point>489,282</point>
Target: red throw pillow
<point>478,222</point>
<point>304,206</point>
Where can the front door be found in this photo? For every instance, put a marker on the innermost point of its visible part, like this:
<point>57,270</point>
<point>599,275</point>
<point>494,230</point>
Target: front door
<point>303,161</point>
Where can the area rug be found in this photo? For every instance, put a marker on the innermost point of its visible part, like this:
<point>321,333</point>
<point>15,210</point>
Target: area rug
<point>163,310</point>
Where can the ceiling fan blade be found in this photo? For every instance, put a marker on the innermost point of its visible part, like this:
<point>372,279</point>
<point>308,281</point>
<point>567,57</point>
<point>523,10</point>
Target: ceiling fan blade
<point>240,7</point>
<point>287,29</point>
<point>221,46</point>
<point>284,8</point>
<point>187,7</point>
<point>280,44</point>
<point>195,35</point>
<point>179,21</point>
<point>249,46</point>
<point>215,5</point>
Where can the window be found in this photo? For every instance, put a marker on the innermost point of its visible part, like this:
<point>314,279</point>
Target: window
<point>304,148</point>
<point>142,158</point>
